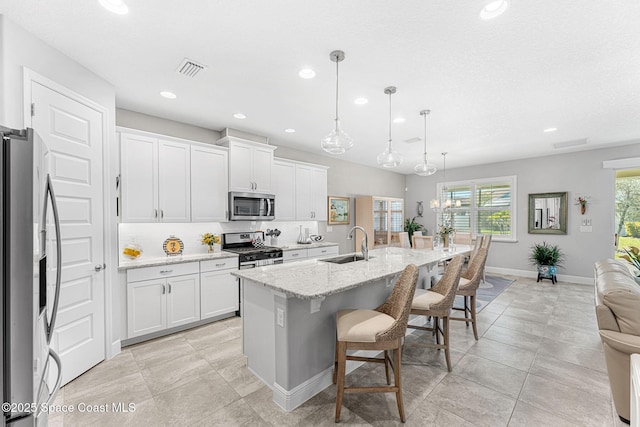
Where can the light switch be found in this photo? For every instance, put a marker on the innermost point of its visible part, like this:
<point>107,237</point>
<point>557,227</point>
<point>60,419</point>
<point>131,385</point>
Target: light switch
<point>280,317</point>
<point>586,228</point>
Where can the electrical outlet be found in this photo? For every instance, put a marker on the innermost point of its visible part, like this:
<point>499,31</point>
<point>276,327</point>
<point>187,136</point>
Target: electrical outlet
<point>329,229</point>
<point>280,317</point>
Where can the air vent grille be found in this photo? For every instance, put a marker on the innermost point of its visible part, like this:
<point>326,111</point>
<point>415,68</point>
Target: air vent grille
<point>413,140</point>
<point>190,68</point>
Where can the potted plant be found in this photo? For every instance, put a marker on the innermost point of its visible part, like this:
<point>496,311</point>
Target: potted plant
<point>547,258</point>
<point>633,257</point>
<point>411,226</point>
<point>210,240</point>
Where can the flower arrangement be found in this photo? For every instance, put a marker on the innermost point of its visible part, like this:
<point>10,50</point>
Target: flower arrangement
<point>210,239</point>
<point>582,201</point>
<point>445,230</point>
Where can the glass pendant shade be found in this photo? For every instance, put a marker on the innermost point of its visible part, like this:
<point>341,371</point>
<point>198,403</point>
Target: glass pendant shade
<point>389,158</point>
<point>425,168</point>
<point>337,142</point>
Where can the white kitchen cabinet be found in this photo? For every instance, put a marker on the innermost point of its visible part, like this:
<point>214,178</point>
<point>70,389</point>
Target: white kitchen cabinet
<point>209,184</point>
<point>283,183</point>
<point>250,165</point>
<point>219,290</point>
<point>294,255</point>
<point>323,252</point>
<point>162,297</point>
<point>174,181</point>
<point>311,193</point>
<point>155,179</point>
<point>139,173</point>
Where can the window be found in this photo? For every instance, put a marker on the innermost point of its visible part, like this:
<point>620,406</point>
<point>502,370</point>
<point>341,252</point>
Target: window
<point>483,206</point>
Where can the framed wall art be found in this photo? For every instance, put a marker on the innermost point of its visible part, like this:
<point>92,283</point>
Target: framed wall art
<point>338,209</point>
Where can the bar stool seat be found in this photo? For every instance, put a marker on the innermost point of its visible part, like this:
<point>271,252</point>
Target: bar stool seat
<point>424,299</point>
<point>362,325</point>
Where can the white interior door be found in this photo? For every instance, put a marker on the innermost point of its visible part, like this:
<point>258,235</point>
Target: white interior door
<point>74,135</point>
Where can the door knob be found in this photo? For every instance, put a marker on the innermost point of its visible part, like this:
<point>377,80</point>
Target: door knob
<point>100,267</point>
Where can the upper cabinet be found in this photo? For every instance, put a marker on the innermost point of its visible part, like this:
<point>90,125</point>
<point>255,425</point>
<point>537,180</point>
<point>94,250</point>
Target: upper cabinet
<point>284,187</point>
<point>168,180</point>
<point>311,192</point>
<point>301,190</point>
<point>209,184</point>
<point>250,165</point>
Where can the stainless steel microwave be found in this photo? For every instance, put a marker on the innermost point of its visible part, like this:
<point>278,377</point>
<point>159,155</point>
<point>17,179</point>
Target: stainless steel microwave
<point>251,206</point>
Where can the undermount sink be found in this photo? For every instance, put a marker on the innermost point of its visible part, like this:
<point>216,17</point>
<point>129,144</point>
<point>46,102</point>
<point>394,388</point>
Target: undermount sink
<point>345,259</point>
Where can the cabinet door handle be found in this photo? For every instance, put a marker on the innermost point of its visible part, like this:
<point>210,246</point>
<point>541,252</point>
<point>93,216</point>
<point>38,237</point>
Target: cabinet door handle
<point>161,213</point>
<point>165,271</point>
<point>163,290</point>
<point>169,284</point>
<point>155,214</point>
<point>219,265</point>
<point>293,255</point>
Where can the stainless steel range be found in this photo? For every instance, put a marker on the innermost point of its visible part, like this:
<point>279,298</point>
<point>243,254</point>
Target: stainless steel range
<point>250,249</point>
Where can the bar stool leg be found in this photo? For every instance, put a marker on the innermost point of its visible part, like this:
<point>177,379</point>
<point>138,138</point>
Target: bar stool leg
<point>473,316</point>
<point>342,361</point>
<point>466,308</point>
<point>386,366</point>
<point>335,365</point>
<point>445,334</point>
<point>397,364</point>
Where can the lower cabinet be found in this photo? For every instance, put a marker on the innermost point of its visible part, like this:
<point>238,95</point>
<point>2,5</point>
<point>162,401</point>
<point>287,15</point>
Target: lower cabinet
<point>311,253</point>
<point>162,303</point>
<point>219,290</point>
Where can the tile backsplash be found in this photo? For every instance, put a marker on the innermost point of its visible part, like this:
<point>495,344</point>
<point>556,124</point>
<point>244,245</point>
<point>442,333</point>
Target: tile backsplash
<point>151,236</point>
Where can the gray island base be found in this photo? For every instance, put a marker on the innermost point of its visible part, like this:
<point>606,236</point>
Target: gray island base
<point>288,315</point>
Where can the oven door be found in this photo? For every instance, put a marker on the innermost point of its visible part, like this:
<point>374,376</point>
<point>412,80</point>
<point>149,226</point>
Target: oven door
<point>251,206</point>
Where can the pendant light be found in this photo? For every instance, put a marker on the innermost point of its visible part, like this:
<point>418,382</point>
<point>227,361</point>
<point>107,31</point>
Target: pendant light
<point>425,168</point>
<point>389,158</point>
<point>337,142</point>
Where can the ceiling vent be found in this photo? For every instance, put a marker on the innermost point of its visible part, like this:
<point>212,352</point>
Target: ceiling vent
<point>190,68</point>
<point>567,144</point>
<point>413,140</point>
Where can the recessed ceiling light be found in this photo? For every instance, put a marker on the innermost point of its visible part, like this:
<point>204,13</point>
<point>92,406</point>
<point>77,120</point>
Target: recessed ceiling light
<point>115,6</point>
<point>289,130</point>
<point>550,130</point>
<point>399,120</point>
<point>307,73</point>
<point>168,95</point>
<point>361,101</point>
<point>494,9</point>
<point>239,116</point>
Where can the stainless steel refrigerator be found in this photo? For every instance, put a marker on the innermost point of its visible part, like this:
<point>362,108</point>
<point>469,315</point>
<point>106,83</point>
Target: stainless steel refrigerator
<point>31,267</point>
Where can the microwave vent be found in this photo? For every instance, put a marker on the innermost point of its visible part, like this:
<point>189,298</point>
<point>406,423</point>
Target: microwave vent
<point>190,68</point>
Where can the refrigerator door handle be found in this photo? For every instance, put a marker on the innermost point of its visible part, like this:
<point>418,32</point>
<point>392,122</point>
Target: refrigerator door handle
<point>56,387</point>
<point>56,220</point>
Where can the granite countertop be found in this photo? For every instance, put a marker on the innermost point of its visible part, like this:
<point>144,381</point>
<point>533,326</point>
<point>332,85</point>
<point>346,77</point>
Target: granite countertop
<point>150,262</point>
<point>316,279</point>
<point>294,246</point>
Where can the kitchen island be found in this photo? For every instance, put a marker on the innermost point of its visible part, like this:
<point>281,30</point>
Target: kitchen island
<point>288,314</point>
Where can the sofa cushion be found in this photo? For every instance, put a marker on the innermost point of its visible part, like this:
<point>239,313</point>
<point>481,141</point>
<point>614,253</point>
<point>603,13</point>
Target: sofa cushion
<point>617,290</point>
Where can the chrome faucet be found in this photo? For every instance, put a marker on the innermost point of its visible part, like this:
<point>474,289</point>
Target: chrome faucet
<point>364,245</point>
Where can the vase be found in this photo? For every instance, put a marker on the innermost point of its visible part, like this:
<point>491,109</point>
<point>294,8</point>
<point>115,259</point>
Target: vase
<point>210,250</point>
<point>583,209</point>
<point>445,241</point>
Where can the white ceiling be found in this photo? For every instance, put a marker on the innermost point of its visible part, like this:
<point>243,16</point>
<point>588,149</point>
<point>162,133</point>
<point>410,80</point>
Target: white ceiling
<point>492,86</point>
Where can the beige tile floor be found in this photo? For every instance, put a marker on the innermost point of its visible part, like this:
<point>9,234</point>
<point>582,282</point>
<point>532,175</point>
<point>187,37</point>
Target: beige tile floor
<point>538,362</point>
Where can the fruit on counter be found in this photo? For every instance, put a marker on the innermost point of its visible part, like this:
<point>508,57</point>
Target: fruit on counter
<point>132,250</point>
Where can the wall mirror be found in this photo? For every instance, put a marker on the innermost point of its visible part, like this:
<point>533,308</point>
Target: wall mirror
<point>548,213</point>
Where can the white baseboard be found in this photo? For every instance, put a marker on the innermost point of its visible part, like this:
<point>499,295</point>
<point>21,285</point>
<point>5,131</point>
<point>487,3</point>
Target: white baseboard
<point>534,274</point>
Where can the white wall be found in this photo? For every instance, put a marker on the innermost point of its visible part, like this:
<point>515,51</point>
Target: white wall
<point>579,173</point>
<point>135,120</point>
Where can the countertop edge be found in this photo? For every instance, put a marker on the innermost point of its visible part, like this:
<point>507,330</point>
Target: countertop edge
<point>151,262</point>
